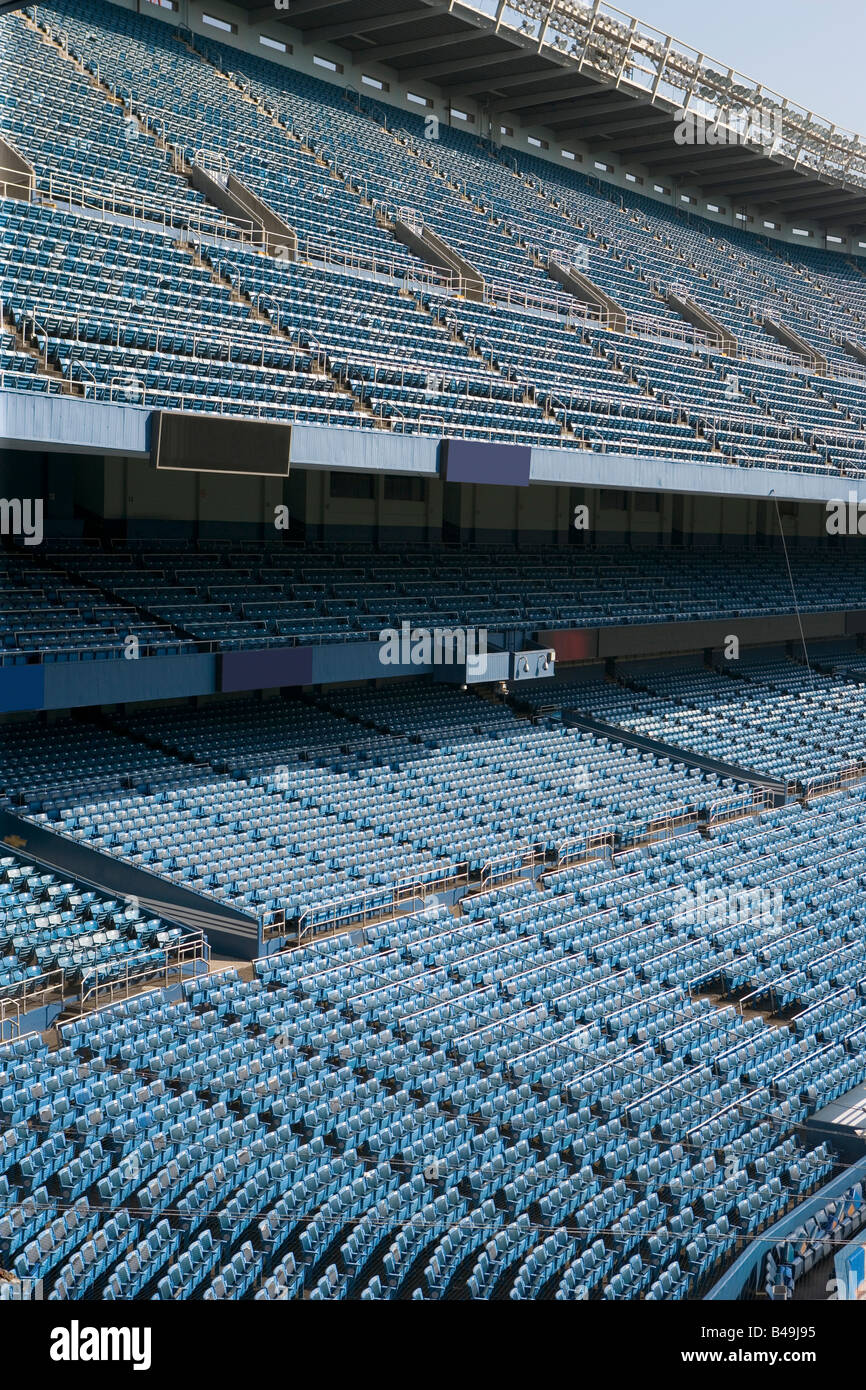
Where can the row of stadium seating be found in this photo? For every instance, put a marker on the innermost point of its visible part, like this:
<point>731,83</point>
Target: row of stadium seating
<point>73,934</point>
<point>129,317</point>
<point>44,608</point>
<point>789,1261</point>
<point>81,600</point>
<point>75,131</point>
<point>770,909</point>
<point>69,759</point>
<point>313,810</point>
<point>623,1137</point>
<point>527,1100</point>
<point>343,328</point>
<point>628,237</point>
<point>775,717</point>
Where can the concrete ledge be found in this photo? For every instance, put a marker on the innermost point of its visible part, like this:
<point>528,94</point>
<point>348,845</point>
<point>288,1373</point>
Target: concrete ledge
<point>615,734</point>
<point>17,177</point>
<point>229,930</point>
<point>854,349</point>
<point>429,247</point>
<point>583,289</point>
<point>794,343</point>
<point>240,203</point>
<point>56,423</point>
<point>698,317</point>
<point>630,641</point>
<point>732,1285</point>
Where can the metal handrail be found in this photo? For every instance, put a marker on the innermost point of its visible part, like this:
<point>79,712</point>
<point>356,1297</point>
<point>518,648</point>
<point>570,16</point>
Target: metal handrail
<point>108,198</point>
<point>326,252</point>
<point>827,783</point>
<point>388,366</point>
<point>82,366</point>
<point>412,218</point>
<point>37,327</point>
<point>595,844</point>
<point>505,867</point>
<point>125,384</point>
<point>214,163</point>
<point>635,55</point>
<point>258,296</point>
<point>358,911</point>
<point>52,985</point>
<point>498,292</point>
<point>189,952</point>
<point>32,994</point>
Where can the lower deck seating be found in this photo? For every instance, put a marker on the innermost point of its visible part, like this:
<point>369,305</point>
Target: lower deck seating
<point>65,936</point>
<point>439,1107</point>
<point>314,816</point>
<point>791,1259</point>
<point>776,717</point>
<point>585,1084</point>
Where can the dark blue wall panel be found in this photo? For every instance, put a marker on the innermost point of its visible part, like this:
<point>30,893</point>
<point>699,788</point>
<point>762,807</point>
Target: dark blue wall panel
<point>21,687</point>
<point>356,661</point>
<point>71,683</point>
<point>254,670</point>
<point>228,930</point>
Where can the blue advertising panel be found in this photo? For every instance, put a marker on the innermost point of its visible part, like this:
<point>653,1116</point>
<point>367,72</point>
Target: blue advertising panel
<point>474,461</point>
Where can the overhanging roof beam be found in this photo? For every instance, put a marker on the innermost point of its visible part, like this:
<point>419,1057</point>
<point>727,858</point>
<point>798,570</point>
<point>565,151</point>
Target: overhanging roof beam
<point>540,99</point>
<point>822,210</point>
<point>297,11</point>
<point>348,28</point>
<point>815,195</point>
<point>384,52</point>
<point>745,180</point>
<point>676,156</point>
<point>588,106</point>
<point>505,80</point>
<point>603,129</point>
<point>427,72</point>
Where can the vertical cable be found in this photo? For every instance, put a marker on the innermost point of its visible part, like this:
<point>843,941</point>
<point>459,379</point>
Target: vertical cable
<point>793,590</point>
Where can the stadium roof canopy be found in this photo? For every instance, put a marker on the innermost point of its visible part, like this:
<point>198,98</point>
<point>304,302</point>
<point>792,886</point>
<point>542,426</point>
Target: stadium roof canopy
<point>593,72</point>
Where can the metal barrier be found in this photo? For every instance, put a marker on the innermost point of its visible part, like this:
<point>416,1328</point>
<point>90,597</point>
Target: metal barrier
<point>718,812</point>
<point>412,218</point>
<point>360,911</point>
<point>513,294</point>
<point>659,828</point>
<point>33,994</point>
<point>434,380</point>
<point>112,199</point>
<point>317,251</point>
<point>12,380</point>
<point>827,783</point>
<point>652,329</point>
<point>506,867</point>
<point>191,952</point>
<point>128,387</point>
<point>91,992</point>
<point>595,844</point>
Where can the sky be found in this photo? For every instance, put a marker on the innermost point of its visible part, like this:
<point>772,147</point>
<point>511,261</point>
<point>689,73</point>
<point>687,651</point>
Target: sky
<point>808,50</point>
